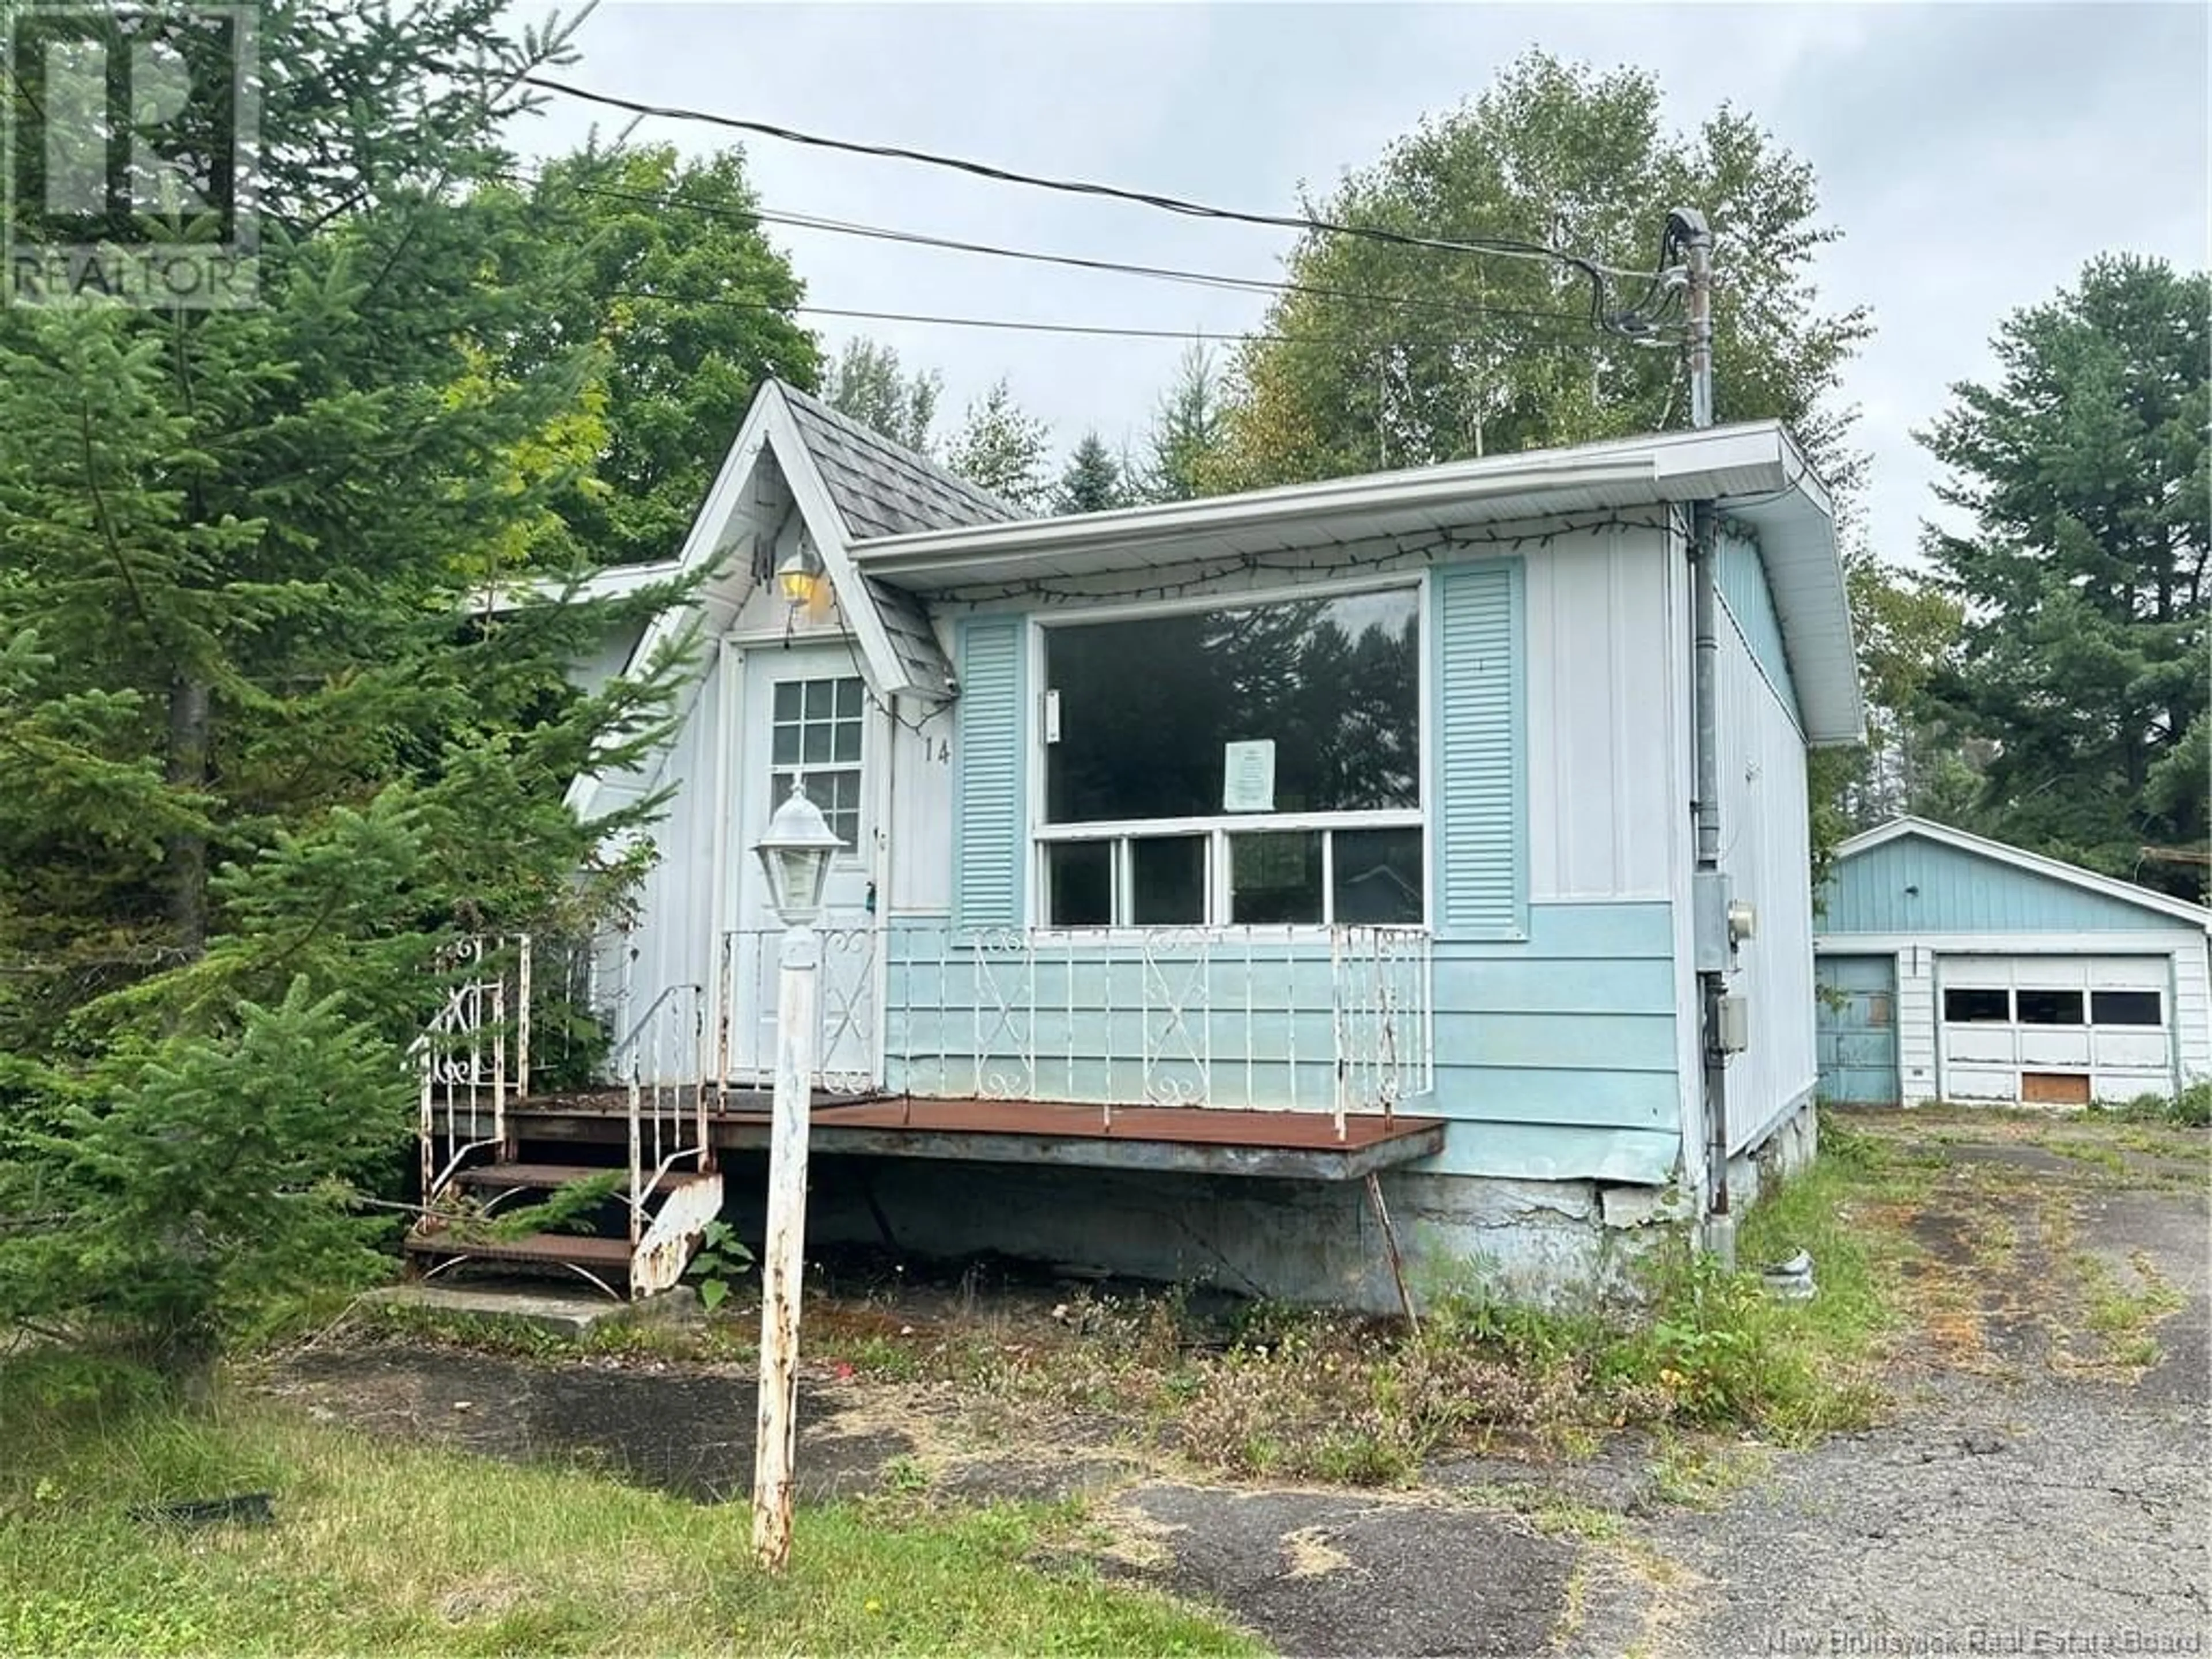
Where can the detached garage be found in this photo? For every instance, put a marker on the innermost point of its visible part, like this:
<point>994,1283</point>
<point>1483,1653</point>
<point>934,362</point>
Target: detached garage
<point>1955,968</point>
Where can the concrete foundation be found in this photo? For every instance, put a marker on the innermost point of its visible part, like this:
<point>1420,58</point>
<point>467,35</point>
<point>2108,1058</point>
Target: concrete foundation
<point>1307,1243</point>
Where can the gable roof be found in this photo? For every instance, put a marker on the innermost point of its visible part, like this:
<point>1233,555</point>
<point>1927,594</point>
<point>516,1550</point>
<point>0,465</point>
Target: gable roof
<point>880,488</point>
<point>1756,473</point>
<point>2021,859</point>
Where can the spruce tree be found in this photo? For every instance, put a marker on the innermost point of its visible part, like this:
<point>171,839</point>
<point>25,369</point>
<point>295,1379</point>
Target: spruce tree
<point>273,728</point>
<point>2083,468</point>
<point>1091,481</point>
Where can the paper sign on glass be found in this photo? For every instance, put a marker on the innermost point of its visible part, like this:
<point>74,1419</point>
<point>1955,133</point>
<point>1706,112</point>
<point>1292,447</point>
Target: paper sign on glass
<point>1248,776</point>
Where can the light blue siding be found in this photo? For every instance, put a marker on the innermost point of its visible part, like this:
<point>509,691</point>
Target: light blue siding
<point>1555,1057</point>
<point>990,746</point>
<point>1481,842</point>
<point>1856,1014</point>
<point>1914,885</point>
<point>1741,577</point>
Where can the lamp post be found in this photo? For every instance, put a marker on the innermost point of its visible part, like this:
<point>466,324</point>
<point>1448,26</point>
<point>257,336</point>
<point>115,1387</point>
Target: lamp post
<point>795,854</point>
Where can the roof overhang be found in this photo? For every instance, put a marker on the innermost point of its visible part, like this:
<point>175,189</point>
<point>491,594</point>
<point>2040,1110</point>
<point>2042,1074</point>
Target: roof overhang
<point>1754,472</point>
<point>2020,858</point>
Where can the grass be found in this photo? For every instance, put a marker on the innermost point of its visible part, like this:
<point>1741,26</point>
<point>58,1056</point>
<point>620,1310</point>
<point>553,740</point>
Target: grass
<point>2122,1315</point>
<point>1295,1395</point>
<point>398,1549</point>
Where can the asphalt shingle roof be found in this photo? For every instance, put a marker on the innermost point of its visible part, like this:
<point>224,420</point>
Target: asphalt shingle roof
<point>882,490</point>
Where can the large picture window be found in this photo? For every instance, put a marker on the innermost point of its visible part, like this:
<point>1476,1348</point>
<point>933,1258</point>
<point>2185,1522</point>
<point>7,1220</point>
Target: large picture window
<point>1259,765</point>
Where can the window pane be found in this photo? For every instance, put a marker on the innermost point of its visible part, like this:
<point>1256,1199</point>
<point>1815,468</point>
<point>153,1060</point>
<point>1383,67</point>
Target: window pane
<point>816,745</point>
<point>1147,707</point>
<point>845,741</point>
<point>1275,878</point>
<point>818,699</point>
<point>2126,1008</point>
<point>787,745</point>
<point>786,700</point>
<point>849,699</point>
<point>2049,1007</point>
<point>1168,877</point>
<point>1079,883</point>
<point>1379,877</point>
<point>1969,1006</point>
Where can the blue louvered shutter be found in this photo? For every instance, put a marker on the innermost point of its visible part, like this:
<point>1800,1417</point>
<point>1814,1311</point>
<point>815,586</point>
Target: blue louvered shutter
<point>1481,843</point>
<point>990,743</point>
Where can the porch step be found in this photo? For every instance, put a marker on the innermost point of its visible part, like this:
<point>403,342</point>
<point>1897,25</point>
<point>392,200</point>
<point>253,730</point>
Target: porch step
<point>509,1176</point>
<point>557,1249</point>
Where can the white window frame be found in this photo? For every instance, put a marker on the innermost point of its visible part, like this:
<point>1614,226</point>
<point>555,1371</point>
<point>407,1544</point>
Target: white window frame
<point>1220,826</point>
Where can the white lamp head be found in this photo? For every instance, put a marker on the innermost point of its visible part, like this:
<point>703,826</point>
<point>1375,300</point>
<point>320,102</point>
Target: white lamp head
<point>795,853</point>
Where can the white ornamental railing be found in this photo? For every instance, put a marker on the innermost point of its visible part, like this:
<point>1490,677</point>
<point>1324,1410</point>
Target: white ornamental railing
<point>472,1060</point>
<point>847,1050</point>
<point>661,1063</point>
<point>1171,1017</point>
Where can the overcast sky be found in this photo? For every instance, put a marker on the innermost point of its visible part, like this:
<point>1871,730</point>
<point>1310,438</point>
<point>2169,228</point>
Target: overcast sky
<point>1973,155</point>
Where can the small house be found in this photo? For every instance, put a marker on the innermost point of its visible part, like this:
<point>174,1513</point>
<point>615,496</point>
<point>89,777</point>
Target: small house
<point>1954,967</point>
<point>1286,888</point>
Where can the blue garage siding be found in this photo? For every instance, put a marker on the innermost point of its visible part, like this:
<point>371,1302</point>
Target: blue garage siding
<point>1914,885</point>
<point>1858,1029</point>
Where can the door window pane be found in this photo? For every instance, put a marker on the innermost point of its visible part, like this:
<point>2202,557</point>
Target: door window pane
<point>1275,878</point>
<point>2049,1007</point>
<point>815,731</point>
<point>2127,1008</point>
<point>1167,880</point>
<point>1969,1006</point>
<point>1379,877</point>
<point>1079,883</point>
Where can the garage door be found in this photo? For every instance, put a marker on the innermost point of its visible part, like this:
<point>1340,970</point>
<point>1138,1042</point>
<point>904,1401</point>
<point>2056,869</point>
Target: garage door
<point>1856,1018</point>
<point>2054,1031</point>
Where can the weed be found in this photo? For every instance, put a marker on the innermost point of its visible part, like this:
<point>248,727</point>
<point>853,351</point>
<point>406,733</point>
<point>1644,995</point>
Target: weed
<point>723,1258</point>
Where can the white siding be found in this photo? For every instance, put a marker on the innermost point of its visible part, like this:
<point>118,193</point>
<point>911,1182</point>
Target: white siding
<point>920,811</point>
<point>1766,854</point>
<point>1602,787</point>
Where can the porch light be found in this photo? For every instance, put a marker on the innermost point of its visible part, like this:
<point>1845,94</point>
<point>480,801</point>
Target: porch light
<point>799,573</point>
<point>795,853</point>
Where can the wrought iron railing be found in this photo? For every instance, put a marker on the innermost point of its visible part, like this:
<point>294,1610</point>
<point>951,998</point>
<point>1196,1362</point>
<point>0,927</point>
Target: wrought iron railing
<point>1257,1017</point>
<point>473,1058</point>
<point>661,1063</point>
<point>846,1049</point>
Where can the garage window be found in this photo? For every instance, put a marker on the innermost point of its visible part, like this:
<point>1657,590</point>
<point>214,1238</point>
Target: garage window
<point>1965,1006</point>
<point>2049,1007</point>
<point>2127,1008</point>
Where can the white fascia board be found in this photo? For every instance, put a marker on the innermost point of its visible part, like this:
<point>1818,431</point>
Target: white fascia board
<point>827,527</point>
<point>2021,859</point>
<point>1671,466</point>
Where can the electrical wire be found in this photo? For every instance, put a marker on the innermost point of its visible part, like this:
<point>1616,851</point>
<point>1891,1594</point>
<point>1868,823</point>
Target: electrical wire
<point>1502,247</point>
<point>1163,273</point>
<point>1573,345</point>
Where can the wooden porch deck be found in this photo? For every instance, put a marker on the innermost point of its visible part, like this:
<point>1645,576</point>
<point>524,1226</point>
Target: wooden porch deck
<point>1169,1140</point>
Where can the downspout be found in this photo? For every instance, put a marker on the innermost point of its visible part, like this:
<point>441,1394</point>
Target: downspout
<point>1709,885</point>
<point>1711,932</point>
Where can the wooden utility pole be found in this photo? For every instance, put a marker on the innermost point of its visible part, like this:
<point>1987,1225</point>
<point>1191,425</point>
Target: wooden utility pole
<point>783,1257</point>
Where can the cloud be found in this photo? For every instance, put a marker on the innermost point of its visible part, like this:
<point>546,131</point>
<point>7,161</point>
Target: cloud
<point>1975,156</point>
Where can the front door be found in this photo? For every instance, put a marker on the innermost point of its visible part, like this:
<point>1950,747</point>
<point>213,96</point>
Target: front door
<point>806,719</point>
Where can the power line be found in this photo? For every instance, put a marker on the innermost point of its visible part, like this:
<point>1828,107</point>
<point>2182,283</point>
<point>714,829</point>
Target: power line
<point>1503,247</point>
<point>1576,344</point>
<point>1163,273</point>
